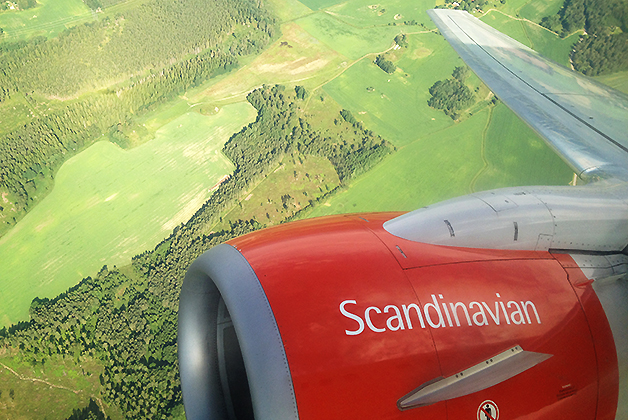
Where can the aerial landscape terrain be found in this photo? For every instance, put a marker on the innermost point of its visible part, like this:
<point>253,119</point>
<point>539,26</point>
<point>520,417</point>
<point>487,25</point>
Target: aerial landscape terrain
<point>137,134</point>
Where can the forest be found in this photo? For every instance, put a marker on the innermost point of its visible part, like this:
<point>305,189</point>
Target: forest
<point>604,47</point>
<point>385,64</point>
<point>127,320</point>
<point>31,154</point>
<point>452,95</point>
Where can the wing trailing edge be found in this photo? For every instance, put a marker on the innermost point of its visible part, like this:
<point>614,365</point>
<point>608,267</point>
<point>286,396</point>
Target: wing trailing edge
<point>583,121</point>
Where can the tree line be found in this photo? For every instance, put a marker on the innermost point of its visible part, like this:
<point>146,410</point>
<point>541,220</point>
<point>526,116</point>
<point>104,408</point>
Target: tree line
<point>603,49</point>
<point>128,320</point>
<point>452,95</point>
<point>384,64</point>
<point>151,36</point>
<point>31,154</point>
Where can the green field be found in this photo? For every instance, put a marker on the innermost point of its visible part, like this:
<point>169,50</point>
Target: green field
<point>516,156</point>
<point>396,106</point>
<point>295,58</point>
<point>617,81</point>
<point>318,4</point>
<point>535,10</point>
<point>61,387</point>
<point>47,19</point>
<point>361,13</point>
<point>539,39</point>
<point>430,169</point>
<point>446,163</point>
<point>287,10</point>
<point>109,204</point>
<point>349,41</point>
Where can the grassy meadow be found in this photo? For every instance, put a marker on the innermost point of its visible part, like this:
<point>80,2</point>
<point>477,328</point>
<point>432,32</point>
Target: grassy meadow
<point>348,40</point>
<point>120,206</point>
<point>47,19</point>
<point>108,205</point>
<point>395,105</point>
<point>60,386</point>
<point>617,81</point>
<point>363,14</point>
<point>429,169</point>
<point>437,157</point>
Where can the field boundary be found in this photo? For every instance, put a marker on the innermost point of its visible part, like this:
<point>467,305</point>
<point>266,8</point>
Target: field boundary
<point>76,392</point>
<point>475,178</point>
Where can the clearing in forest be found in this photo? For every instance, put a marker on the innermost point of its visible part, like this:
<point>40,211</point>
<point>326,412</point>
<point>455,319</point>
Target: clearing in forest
<point>109,204</point>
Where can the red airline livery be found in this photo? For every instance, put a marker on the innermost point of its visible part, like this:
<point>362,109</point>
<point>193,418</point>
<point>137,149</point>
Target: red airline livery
<point>507,304</point>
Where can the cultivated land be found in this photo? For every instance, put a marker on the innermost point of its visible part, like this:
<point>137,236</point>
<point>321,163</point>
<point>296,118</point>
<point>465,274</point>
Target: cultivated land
<point>330,52</point>
<point>109,204</point>
<point>47,19</point>
<point>60,387</point>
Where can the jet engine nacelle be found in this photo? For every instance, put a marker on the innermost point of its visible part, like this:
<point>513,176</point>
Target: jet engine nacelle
<point>336,318</point>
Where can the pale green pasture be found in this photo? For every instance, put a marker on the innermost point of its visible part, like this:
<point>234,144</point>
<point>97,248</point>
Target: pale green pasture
<point>363,13</point>
<point>109,204</point>
<point>539,39</point>
<point>295,58</point>
<point>446,163</point>
<point>434,168</point>
<point>288,10</point>
<point>397,107</point>
<point>48,19</point>
<point>517,156</point>
<point>535,10</point>
<point>319,4</point>
<point>617,80</point>
<point>350,41</point>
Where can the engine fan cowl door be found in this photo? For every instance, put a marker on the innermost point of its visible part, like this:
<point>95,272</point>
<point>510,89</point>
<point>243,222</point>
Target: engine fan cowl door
<point>477,310</point>
<point>338,297</point>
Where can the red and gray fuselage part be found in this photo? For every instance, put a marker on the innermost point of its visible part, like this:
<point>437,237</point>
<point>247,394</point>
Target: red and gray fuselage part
<point>337,317</point>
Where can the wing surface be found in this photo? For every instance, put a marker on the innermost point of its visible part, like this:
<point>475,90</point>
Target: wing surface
<point>584,121</point>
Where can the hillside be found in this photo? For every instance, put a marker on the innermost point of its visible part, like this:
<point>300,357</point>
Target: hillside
<point>288,93</point>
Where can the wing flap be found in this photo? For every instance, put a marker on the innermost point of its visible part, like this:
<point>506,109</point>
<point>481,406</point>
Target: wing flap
<point>583,121</point>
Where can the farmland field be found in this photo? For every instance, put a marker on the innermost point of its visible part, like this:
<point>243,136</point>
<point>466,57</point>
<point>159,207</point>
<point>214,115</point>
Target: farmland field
<point>295,58</point>
<point>287,10</point>
<point>395,105</point>
<point>109,204</point>
<point>48,19</point>
<point>445,165</point>
<point>430,169</point>
<point>349,41</point>
<point>540,39</point>
<point>517,156</point>
<point>617,80</point>
<point>364,13</point>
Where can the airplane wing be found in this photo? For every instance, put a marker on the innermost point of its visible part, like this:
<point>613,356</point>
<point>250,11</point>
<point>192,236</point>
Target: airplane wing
<point>583,121</point>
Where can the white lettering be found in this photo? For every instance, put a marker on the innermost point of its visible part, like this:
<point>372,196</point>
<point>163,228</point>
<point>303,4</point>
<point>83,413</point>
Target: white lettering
<point>431,313</point>
<point>454,310</point>
<point>517,312</point>
<point>428,318</point>
<point>494,316</point>
<point>397,316</point>
<point>446,311</point>
<point>406,312</point>
<point>480,312</point>
<point>367,317</point>
<point>352,316</point>
<point>525,309</point>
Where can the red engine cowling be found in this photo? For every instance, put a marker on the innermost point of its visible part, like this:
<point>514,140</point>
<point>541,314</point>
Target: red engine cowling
<point>335,318</point>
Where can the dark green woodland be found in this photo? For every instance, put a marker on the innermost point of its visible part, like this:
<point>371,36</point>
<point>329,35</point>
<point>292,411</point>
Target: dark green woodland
<point>127,320</point>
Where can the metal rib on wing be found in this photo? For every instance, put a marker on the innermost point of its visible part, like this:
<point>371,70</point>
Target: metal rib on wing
<point>584,121</point>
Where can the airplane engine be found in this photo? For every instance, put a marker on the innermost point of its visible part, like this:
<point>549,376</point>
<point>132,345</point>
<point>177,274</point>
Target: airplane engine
<point>336,318</point>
